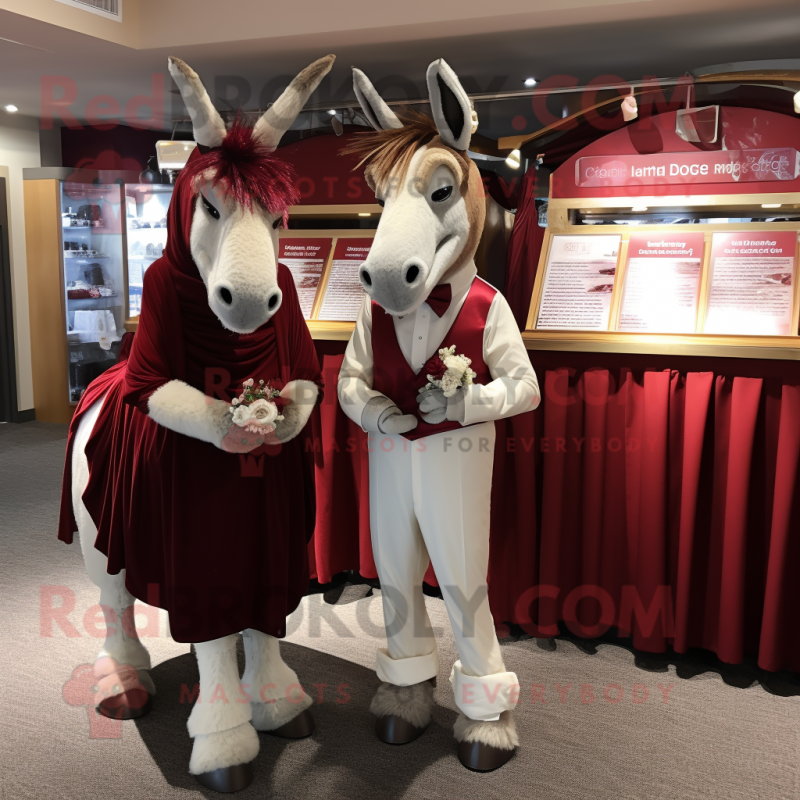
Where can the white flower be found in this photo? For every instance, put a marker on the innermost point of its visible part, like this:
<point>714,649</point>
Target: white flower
<point>458,365</point>
<point>450,383</point>
<point>235,401</point>
<point>241,416</point>
<point>249,382</point>
<point>263,412</point>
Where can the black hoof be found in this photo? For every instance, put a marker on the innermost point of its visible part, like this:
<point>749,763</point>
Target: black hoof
<point>395,730</point>
<point>481,757</point>
<point>129,705</point>
<point>298,728</point>
<point>227,779</point>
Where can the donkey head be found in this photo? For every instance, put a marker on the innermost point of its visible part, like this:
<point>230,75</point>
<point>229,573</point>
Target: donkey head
<point>430,189</point>
<point>243,191</point>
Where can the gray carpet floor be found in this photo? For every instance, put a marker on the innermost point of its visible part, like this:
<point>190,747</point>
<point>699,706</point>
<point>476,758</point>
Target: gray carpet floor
<point>731,733</point>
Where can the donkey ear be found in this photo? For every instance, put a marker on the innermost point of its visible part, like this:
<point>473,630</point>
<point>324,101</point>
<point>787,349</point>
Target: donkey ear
<point>278,118</point>
<point>379,115</point>
<point>452,110</point>
<point>208,125</point>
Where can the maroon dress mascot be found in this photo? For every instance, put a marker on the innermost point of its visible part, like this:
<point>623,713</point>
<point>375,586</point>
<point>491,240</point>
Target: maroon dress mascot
<point>188,474</point>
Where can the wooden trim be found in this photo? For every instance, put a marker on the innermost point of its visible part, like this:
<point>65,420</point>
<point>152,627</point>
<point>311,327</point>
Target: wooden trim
<point>706,345</point>
<point>323,281</point>
<point>336,210</point>
<point>563,206</point>
<point>332,331</point>
<point>705,284</point>
<point>619,283</point>
<point>538,283</point>
<point>47,302</point>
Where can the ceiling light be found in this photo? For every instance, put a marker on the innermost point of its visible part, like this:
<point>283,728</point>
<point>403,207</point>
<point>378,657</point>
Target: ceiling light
<point>770,205</point>
<point>638,208</point>
<point>332,112</point>
<point>530,82</point>
<point>364,214</point>
<point>11,108</point>
<point>513,159</point>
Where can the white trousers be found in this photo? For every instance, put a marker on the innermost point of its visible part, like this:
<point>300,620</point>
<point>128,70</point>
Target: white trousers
<point>430,500</point>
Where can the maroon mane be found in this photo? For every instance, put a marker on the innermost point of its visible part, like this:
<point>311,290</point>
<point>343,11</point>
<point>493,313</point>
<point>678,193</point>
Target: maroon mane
<point>248,171</point>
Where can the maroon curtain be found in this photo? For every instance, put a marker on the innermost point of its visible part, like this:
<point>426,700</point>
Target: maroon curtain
<point>522,256</point>
<point>655,495</point>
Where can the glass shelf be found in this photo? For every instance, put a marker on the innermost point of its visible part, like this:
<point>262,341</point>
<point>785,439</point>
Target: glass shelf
<point>144,203</point>
<point>95,325</point>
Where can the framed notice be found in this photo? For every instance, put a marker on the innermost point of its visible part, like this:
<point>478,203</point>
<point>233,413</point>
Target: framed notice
<point>343,292</point>
<point>578,283</point>
<point>661,286</point>
<point>306,259</point>
<point>752,284</point>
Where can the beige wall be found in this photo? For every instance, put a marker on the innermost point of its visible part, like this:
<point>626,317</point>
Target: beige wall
<point>125,32</point>
<point>19,148</point>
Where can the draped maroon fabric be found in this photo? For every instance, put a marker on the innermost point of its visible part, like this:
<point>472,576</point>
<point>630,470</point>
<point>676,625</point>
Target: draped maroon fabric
<point>522,255</point>
<point>656,495</point>
<point>217,539</point>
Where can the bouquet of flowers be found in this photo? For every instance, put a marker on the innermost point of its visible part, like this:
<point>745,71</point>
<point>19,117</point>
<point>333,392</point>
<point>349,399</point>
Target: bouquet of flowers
<point>448,372</point>
<point>256,409</point>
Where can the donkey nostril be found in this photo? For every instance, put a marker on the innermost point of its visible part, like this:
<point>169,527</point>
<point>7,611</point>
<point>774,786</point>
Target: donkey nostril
<point>273,301</point>
<point>366,277</point>
<point>411,274</point>
<point>226,296</point>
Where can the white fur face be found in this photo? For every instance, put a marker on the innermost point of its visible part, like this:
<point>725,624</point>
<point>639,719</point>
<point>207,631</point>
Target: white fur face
<point>235,250</point>
<point>423,230</point>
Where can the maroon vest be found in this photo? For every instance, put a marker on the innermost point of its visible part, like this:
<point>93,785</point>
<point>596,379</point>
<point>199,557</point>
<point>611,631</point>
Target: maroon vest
<point>395,378</point>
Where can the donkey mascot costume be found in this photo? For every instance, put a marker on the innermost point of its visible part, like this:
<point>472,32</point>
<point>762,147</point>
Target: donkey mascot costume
<point>166,510</point>
<point>430,471</point>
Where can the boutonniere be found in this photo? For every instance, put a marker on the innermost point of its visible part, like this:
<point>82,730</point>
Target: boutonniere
<point>257,408</point>
<point>448,371</point>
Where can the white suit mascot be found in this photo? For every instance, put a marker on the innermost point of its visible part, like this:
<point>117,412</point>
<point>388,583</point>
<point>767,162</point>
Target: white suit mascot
<point>435,358</point>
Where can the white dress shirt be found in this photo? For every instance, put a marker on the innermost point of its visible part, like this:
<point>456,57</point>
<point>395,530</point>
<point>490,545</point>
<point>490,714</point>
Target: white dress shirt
<point>513,390</point>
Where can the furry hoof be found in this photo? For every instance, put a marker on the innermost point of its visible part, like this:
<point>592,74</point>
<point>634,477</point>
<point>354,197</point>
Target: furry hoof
<point>132,704</point>
<point>214,753</point>
<point>298,728</point>
<point>227,779</point>
<point>395,730</point>
<point>480,757</point>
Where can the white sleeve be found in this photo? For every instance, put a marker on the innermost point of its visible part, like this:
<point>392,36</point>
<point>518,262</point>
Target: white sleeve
<point>356,396</point>
<point>514,388</point>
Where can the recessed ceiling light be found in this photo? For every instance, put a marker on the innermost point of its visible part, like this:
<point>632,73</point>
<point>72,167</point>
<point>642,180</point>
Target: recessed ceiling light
<point>638,208</point>
<point>364,214</point>
<point>11,108</point>
<point>530,82</point>
<point>332,112</point>
<point>770,205</point>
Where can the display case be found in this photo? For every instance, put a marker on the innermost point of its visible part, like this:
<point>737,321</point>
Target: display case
<point>146,232</point>
<point>75,243</point>
<point>92,246</point>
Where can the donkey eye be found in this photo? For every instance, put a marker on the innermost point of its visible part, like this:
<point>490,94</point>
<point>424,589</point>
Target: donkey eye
<point>211,210</point>
<point>440,195</point>
<point>277,223</point>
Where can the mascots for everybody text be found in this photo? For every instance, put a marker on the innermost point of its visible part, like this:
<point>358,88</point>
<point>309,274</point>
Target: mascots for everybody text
<point>435,358</point>
<point>186,474</point>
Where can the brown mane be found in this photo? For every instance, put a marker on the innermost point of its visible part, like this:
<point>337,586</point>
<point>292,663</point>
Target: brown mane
<point>388,153</point>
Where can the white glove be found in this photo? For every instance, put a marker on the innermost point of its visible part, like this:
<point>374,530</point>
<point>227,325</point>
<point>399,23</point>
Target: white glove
<point>435,407</point>
<point>394,421</point>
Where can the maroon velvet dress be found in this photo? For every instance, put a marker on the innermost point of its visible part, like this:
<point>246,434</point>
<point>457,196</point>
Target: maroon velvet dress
<point>217,539</point>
